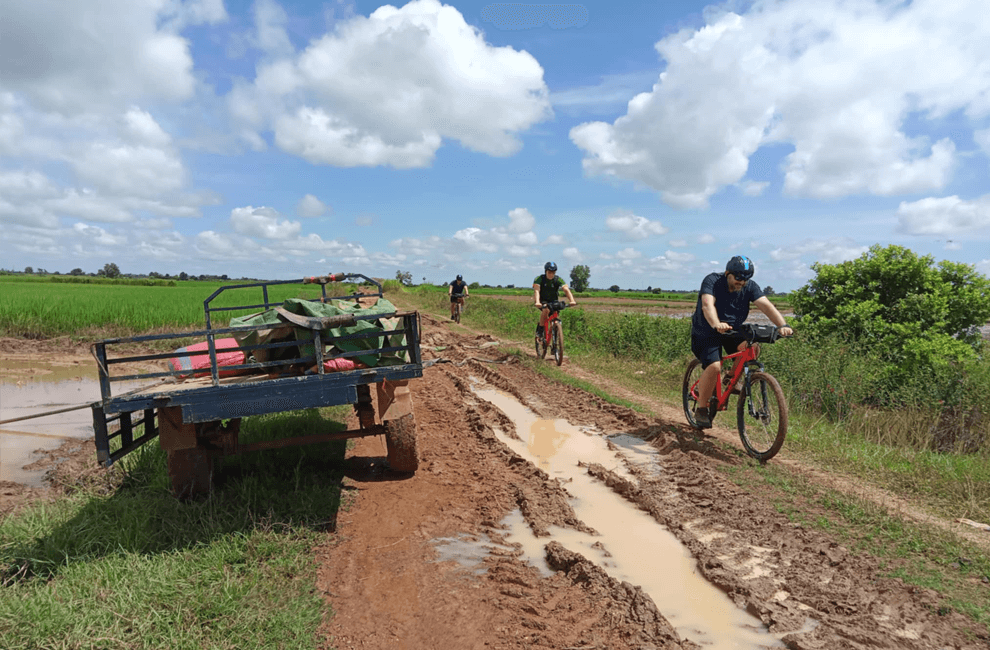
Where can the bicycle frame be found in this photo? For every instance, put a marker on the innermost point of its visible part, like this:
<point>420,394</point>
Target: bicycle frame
<point>743,362</point>
<point>548,328</point>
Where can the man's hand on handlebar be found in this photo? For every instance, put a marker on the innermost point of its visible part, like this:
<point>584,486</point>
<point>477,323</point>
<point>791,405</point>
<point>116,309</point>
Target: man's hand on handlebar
<point>786,330</point>
<point>722,328</point>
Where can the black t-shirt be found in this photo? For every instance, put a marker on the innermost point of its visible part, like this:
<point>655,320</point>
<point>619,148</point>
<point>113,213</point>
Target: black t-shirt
<point>457,287</point>
<point>732,308</point>
<point>549,289</point>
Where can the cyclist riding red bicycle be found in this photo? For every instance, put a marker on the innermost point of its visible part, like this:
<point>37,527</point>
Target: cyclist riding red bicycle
<point>457,290</point>
<point>723,306</point>
<point>546,288</point>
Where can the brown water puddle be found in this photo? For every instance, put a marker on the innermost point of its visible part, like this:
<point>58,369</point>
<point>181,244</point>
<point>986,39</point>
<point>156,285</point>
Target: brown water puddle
<point>30,388</point>
<point>631,545</point>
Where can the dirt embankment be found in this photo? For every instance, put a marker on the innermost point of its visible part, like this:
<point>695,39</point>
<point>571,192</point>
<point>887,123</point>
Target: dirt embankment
<point>386,588</point>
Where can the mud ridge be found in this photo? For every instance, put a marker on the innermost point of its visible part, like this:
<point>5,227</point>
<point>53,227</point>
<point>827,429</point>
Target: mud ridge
<point>629,608</point>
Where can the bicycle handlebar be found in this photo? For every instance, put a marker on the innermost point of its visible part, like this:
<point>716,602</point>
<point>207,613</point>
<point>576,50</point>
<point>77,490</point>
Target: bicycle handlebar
<point>757,333</point>
<point>555,305</point>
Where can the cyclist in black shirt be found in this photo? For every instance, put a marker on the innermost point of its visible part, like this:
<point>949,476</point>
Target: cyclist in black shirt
<point>723,306</point>
<point>459,289</point>
<point>546,288</point>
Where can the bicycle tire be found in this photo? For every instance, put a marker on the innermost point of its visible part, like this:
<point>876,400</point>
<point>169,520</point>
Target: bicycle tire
<point>757,432</point>
<point>691,377</point>
<point>457,314</point>
<point>558,342</point>
<point>541,347</point>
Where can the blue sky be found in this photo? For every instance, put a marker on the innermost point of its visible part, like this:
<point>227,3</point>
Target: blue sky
<point>649,141</point>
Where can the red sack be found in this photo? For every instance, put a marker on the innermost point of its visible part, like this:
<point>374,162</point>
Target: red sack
<point>198,365</point>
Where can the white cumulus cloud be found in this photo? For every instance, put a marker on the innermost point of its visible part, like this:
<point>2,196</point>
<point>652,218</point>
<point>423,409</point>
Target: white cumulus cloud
<point>948,215</point>
<point>387,89</point>
<point>633,226</point>
<point>837,83</point>
<point>263,222</point>
<point>310,206</point>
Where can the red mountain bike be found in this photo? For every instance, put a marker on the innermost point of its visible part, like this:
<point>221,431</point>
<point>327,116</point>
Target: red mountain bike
<point>459,306</point>
<point>553,333</point>
<point>761,413</point>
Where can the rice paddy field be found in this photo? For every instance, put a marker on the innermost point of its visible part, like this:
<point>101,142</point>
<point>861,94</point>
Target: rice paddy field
<point>38,308</point>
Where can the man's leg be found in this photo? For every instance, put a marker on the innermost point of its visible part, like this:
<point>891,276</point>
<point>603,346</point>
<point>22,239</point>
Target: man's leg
<point>710,354</point>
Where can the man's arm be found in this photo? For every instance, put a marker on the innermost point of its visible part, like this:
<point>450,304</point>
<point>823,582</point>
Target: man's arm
<point>711,314</point>
<point>570,296</point>
<point>536,294</point>
<point>770,311</point>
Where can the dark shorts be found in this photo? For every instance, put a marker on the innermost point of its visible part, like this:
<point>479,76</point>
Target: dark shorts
<point>454,297</point>
<point>709,349</point>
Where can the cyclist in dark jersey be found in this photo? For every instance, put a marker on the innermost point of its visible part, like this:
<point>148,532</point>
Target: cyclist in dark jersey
<point>723,306</point>
<point>457,288</point>
<point>546,288</point>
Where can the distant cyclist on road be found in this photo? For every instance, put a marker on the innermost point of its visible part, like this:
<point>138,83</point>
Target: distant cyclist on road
<point>723,306</point>
<point>546,288</point>
<point>457,288</point>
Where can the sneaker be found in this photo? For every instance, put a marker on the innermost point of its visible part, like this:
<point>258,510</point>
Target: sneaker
<point>539,331</point>
<point>702,418</point>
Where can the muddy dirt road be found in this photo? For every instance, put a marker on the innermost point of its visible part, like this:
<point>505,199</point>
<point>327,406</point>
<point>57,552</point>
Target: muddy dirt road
<point>393,583</point>
<point>544,517</point>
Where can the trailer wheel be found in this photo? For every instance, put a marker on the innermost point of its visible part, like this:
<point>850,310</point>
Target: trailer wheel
<point>400,440</point>
<point>191,472</point>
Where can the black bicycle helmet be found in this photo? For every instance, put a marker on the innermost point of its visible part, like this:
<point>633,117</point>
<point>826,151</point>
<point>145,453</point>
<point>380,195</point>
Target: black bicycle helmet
<point>460,277</point>
<point>741,267</point>
<point>550,266</point>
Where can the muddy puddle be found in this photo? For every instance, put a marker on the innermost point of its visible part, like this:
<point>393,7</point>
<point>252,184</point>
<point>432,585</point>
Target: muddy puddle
<point>631,545</point>
<point>31,388</point>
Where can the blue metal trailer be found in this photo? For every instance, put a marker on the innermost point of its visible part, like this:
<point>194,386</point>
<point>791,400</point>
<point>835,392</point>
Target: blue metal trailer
<point>197,420</point>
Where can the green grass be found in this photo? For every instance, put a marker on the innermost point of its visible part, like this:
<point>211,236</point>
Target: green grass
<point>135,568</point>
<point>35,308</point>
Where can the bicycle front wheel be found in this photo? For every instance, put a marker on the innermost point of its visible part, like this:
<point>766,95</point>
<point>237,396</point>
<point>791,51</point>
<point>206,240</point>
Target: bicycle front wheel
<point>690,391</point>
<point>558,342</point>
<point>541,347</point>
<point>457,315</point>
<point>762,417</point>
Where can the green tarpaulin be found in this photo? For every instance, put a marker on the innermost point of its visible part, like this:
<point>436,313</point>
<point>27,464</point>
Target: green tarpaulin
<point>282,327</point>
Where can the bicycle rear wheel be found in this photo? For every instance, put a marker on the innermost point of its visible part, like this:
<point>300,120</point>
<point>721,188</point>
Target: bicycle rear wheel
<point>558,342</point>
<point>762,417</point>
<point>689,391</point>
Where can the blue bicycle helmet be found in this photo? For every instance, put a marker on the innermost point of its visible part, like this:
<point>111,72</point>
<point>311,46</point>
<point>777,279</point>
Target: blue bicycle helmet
<point>741,267</point>
<point>460,277</point>
<point>550,266</point>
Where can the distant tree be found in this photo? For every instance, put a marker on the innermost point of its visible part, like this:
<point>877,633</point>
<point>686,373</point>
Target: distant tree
<point>768,290</point>
<point>656,291</point>
<point>614,288</point>
<point>111,270</point>
<point>473,285</point>
<point>183,276</point>
<point>649,289</point>
<point>405,277</point>
<point>29,270</point>
<point>223,277</point>
<point>579,277</point>
<point>76,272</point>
<point>154,275</point>
<point>424,280</point>
<point>510,286</point>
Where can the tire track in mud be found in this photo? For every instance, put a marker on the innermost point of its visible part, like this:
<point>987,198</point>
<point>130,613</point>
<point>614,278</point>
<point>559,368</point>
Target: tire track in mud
<point>808,589</point>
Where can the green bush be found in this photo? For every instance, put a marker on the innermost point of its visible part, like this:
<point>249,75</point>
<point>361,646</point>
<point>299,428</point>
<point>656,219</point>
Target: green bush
<point>908,316</point>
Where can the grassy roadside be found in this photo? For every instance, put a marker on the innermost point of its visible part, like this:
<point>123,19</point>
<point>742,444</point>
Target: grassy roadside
<point>131,567</point>
<point>947,484</point>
